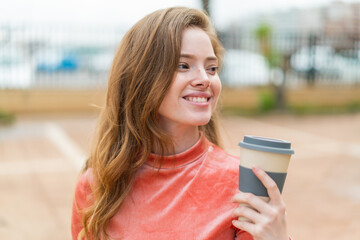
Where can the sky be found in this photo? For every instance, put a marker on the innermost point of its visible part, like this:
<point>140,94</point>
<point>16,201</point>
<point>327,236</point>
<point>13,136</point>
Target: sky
<point>126,13</point>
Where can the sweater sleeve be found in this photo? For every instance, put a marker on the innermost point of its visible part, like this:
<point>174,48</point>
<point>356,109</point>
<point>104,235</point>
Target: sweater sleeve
<point>82,200</point>
<point>242,235</point>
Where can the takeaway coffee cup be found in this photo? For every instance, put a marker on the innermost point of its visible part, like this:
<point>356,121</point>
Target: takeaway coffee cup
<point>271,155</point>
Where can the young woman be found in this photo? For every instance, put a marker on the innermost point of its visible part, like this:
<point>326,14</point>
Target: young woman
<point>156,170</point>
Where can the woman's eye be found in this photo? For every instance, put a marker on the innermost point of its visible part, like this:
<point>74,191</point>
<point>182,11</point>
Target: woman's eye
<point>213,70</point>
<point>183,66</point>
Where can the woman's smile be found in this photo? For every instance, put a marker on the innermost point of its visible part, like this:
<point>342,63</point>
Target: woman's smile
<point>197,99</point>
<point>202,98</point>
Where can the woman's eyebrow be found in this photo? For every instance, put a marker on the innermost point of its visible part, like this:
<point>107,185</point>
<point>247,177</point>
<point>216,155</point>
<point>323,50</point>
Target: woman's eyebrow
<point>191,56</point>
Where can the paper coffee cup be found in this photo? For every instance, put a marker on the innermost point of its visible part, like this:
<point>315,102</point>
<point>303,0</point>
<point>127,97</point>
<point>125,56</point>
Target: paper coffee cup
<point>271,155</point>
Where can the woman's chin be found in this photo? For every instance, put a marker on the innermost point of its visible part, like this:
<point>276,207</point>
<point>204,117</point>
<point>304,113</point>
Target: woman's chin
<point>201,122</point>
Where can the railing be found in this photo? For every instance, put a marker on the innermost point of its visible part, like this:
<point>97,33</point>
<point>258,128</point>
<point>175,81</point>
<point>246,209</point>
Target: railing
<point>293,59</point>
<point>59,57</point>
<point>51,57</point>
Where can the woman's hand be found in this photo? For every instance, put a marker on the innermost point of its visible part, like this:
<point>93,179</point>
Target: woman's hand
<point>268,219</point>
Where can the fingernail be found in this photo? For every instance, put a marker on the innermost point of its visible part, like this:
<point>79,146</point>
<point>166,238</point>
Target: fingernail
<point>255,168</point>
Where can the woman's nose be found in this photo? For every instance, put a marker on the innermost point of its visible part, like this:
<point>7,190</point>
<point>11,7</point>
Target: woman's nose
<point>201,79</point>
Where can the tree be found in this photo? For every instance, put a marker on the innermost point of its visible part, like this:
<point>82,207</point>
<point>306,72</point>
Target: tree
<point>263,33</point>
<point>206,6</point>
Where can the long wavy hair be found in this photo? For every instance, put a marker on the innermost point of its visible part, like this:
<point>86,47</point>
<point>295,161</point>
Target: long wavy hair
<point>128,128</point>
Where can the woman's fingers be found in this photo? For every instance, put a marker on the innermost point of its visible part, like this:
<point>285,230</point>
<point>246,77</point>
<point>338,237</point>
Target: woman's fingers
<point>246,226</point>
<point>247,213</point>
<point>269,183</point>
<point>249,198</point>
<point>260,205</point>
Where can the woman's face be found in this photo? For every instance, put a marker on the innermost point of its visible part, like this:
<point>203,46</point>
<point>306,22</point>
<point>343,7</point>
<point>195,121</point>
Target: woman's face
<point>195,87</point>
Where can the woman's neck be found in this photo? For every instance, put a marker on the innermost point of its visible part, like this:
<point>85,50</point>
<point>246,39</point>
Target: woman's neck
<point>183,138</point>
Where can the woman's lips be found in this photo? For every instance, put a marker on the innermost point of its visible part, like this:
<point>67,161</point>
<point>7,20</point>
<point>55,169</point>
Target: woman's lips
<point>198,97</point>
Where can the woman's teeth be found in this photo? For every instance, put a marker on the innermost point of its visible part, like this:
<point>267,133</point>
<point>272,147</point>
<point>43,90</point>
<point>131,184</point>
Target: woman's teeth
<point>197,99</point>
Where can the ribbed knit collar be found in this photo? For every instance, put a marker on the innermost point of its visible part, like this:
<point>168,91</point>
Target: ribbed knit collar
<point>178,160</point>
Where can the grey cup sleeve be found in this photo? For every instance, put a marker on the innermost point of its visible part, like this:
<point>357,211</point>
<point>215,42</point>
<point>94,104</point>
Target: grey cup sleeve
<point>248,182</point>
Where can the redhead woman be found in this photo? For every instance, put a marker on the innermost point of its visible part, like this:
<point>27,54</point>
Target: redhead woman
<point>156,169</point>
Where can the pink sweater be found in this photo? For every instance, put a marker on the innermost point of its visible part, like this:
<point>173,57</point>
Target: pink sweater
<point>188,198</point>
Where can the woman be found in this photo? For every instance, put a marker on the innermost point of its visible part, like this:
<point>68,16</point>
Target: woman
<point>156,170</point>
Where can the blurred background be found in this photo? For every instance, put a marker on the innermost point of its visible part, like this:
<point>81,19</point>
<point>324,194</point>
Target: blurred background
<point>291,71</point>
